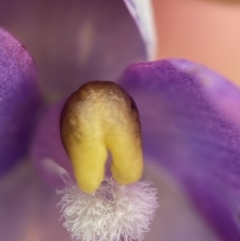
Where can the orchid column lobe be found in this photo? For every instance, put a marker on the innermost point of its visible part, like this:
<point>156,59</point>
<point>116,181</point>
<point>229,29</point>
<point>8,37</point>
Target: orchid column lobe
<point>98,117</point>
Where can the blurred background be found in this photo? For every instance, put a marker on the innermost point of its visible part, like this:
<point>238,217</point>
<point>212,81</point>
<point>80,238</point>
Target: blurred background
<point>206,31</point>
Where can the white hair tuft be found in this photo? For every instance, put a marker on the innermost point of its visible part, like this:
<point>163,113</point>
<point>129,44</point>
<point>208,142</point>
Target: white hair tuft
<point>113,213</point>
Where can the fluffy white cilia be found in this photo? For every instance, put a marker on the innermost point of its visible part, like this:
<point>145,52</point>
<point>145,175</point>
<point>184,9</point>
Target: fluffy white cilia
<point>113,213</point>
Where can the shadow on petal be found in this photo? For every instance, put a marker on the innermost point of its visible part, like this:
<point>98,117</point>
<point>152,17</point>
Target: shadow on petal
<point>47,152</point>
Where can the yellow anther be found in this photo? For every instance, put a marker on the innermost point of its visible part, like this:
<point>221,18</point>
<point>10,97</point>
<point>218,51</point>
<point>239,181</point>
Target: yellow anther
<point>98,117</point>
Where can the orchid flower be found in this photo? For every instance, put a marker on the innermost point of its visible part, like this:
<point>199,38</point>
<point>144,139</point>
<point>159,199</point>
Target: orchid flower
<point>189,114</point>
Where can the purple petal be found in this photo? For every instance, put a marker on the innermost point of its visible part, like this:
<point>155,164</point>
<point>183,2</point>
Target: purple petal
<point>190,133</point>
<point>142,13</point>
<point>28,208</point>
<point>19,100</point>
<point>73,41</point>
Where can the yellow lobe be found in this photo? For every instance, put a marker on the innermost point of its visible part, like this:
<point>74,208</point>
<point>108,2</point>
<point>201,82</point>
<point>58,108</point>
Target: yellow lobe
<point>98,117</point>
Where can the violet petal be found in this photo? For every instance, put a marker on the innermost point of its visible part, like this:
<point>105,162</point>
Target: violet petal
<point>142,13</point>
<point>191,135</point>
<point>19,100</point>
<point>74,41</point>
